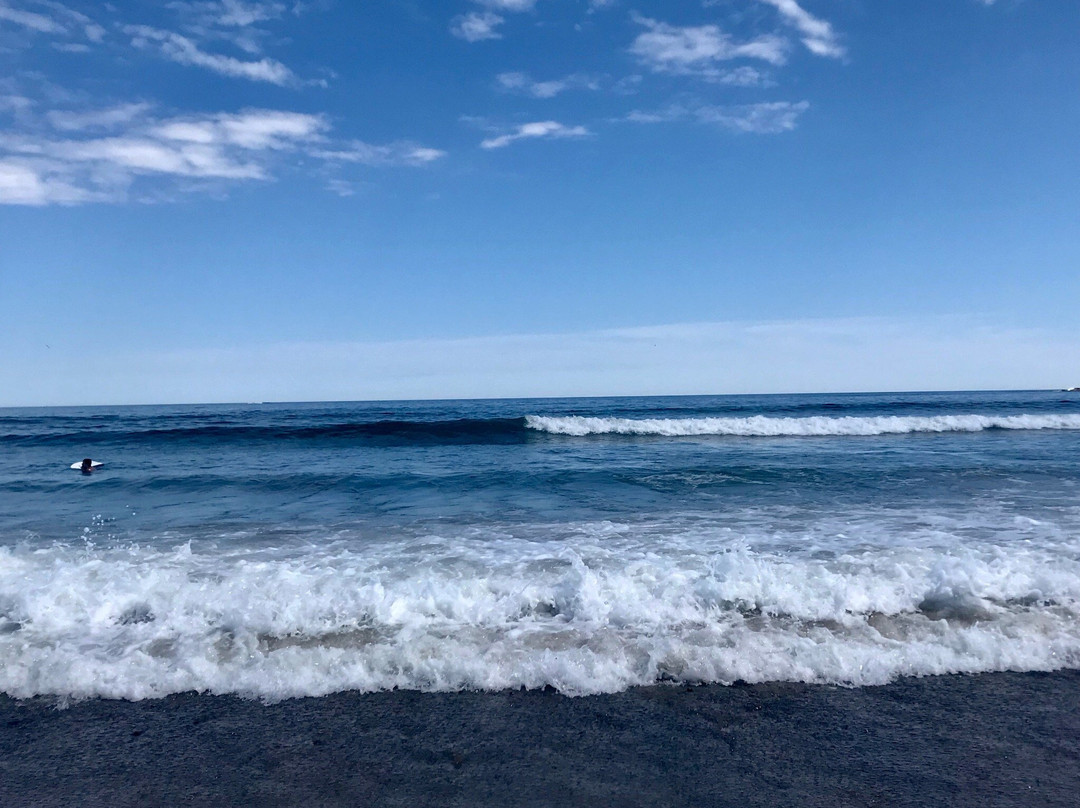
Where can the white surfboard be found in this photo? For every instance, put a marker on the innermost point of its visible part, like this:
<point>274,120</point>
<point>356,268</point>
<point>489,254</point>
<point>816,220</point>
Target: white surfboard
<point>78,466</point>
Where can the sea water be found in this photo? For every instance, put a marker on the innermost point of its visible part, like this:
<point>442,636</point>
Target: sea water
<point>588,545</point>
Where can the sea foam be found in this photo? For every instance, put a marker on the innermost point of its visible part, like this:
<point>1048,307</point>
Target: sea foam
<point>602,608</point>
<point>771,426</point>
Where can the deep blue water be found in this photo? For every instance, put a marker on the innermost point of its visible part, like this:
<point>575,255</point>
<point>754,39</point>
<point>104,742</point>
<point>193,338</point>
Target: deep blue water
<point>585,543</point>
<point>281,466</point>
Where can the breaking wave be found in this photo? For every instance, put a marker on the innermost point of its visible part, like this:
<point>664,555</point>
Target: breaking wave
<point>601,612</point>
<point>769,426</point>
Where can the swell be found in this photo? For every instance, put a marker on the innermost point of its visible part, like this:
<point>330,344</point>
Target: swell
<point>463,430</point>
<point>523,429</point>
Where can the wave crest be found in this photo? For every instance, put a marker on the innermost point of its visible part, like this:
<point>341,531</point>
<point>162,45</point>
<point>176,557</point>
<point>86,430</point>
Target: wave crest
<point>770,426</point>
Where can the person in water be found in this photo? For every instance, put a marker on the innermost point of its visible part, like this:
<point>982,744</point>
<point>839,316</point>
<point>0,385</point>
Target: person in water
<point>87,466</point>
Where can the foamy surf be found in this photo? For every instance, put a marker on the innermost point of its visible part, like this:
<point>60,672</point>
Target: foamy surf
<point>605,608</point>
<point>771,426</point>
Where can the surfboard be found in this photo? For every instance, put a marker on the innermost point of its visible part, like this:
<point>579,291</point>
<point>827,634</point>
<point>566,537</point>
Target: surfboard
<point>78,466</point>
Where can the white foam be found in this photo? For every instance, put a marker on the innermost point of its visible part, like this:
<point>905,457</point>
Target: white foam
<point>597,608</point>
<point>768,426</point>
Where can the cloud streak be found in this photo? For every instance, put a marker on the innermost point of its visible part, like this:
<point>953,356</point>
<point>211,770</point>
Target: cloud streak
<point>537,129</point>
<point>524,84</point>
<point>765,118</point>
<point>230,13</point>
<point>697,50</point>
<point>32,20</point>
<point>102,155</point>
<point>184,51</point>
<point>403,153</point>
<point>817,34</point>
<point>508,5</point>
<point>60,21</point>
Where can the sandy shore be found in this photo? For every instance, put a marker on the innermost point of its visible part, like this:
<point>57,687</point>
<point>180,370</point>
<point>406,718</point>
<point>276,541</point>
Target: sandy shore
<point>988,740</point>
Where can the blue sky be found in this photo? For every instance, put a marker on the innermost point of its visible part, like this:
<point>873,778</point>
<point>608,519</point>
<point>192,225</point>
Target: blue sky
<point>210,200</point>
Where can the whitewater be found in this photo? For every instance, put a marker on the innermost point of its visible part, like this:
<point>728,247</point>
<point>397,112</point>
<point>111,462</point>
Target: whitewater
<point>587,545</point>
<point>764,426</point>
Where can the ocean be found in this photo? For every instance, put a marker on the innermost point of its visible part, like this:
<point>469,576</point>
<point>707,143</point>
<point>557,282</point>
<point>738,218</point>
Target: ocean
<point>582,546</point>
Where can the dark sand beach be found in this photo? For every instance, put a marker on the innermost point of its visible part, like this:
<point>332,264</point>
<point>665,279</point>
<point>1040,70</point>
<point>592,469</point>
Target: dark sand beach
<point>1001,739</point>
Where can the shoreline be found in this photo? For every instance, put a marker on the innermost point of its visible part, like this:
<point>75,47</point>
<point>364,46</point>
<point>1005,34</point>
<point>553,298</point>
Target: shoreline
<point>991,739</point>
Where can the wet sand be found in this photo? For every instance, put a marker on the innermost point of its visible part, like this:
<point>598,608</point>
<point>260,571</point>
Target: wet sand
<point>987,740</point>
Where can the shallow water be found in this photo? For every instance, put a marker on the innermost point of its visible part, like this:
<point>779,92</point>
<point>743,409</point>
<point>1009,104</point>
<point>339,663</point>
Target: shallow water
<point>585,544</point>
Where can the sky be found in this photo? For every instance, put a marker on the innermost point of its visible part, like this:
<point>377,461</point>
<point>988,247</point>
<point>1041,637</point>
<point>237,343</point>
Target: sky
<point>249,200</point>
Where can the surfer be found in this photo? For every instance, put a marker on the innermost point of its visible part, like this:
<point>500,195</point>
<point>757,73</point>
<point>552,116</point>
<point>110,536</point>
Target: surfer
<point>87,466</point>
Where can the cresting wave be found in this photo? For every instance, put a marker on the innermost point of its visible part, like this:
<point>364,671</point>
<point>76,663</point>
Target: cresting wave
<point>598,613</point>
<point>519,429</point>
<point>769,426</point>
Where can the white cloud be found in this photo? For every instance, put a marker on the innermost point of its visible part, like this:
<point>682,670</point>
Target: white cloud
<point>818,35</point>
<point>230,13</point>
<point>98,155</point>
<point>182,50</point>
<point>145,155</point>
<point>523,83</point>
<point>403,153</point>
<point>477,26</point>
<point>744,76</point>
<point>21,184</point>
<point>97,118</point>
<point>40,169</point>
<point>17,104</point>
<point>60,20</point>
<point>342,188</point>
<point>696,50</point>
<point>269,129</point>
<point>856,354</point>
<point>537,129</point>
<point>32,20</point>
<point>238,22</point>
<point>508,5</point>
<point>764,118</point>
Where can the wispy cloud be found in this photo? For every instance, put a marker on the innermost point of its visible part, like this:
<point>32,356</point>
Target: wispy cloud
<point>182,50</point>
<point>105,155</point>
<point>43,170</point>
<point>32,20</point>
<point>537,129</point>
<point>403,153</point>
<point>523,83</point>
<point>697,50</point>
<point>22,184</point>
<point>766,118</point>
<point>230,13</point>
<point>107,118</point>
<point>817,34</point>
<point>508,5</point>
<point>238,22</point>
<point>53,18</point>
<point>476,26</point>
